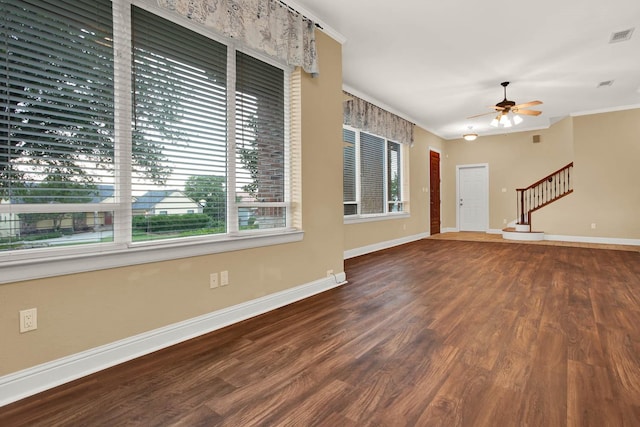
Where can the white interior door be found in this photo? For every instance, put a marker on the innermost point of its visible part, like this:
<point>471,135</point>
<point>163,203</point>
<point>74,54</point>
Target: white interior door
<point>473,198</point>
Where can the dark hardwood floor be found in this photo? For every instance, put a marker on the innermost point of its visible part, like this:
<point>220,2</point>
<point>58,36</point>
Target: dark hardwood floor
<point>432,333</point>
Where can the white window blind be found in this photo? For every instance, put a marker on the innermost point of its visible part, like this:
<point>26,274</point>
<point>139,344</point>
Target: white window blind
<point>394,177</point>
<point>57,116</point>
<point>372,149</point>
<point>349,182</point>
<point>179,130</point>
<point>62,173</point>
<point>260,144</point>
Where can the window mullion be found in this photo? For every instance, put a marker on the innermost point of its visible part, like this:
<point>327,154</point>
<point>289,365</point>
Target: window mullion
<point>232,209</point>
<point>287,149</point>
<point>358,178</point>
<point>401,172</point>
<point>123,114</point>
<point>385,176</point>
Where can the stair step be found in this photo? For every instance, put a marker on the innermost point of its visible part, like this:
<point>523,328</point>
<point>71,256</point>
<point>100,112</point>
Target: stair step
<point>511,233</point>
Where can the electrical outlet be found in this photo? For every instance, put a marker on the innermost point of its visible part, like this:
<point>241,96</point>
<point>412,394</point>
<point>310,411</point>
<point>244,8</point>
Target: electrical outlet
<point>213,280</point>
<point>329,273</point>
<point>28,320</point>
<point>593,225</point>
<point>224,278</point>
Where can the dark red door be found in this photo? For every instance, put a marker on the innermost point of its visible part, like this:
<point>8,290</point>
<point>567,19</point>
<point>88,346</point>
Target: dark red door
<point>434,190</point>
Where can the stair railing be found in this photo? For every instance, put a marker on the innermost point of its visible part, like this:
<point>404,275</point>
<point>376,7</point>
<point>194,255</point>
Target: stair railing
<point>547,190</point>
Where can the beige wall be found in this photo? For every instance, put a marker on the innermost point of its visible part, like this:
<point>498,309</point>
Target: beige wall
<point>370,233</point>
<point>607,176</point>
<point>605,149</point>
<point>81,311</point>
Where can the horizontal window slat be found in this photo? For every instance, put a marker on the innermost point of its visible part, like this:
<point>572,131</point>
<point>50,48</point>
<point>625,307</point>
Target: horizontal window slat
<point>51,81</point>
<point>66,48</point>
<point>80,11</point>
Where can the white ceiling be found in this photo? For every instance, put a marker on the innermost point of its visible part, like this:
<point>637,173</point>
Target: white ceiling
<point>438,62</point>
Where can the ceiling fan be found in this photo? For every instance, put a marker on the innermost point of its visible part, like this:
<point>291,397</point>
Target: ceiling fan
<point>505,106</point>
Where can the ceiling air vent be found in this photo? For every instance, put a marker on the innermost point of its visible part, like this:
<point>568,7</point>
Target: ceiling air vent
<point>605,83</point>
<point>621,36</point>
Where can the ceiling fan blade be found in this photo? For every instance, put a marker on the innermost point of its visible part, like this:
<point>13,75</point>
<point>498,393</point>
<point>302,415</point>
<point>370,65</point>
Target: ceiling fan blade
<point>527,112</point>
<point>480,115</point>
<point>527,104</point>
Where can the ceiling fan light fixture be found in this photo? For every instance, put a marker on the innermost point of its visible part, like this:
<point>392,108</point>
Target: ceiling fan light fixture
<point>509,113</point>
<point>470,136</point>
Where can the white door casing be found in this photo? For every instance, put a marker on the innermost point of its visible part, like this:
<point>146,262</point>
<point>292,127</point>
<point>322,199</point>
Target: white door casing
<point>472,183</point>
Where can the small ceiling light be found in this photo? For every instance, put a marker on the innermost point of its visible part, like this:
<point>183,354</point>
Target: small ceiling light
<point>470,135</point>
<point>495,121</point>
<point>517,119</point>
<point>504,121</point>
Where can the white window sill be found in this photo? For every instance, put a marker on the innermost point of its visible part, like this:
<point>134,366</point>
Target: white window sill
<point>356,219</point>
<point>103,258</point>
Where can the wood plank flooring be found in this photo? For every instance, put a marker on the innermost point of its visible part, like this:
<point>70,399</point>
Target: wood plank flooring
<point>432,333</point>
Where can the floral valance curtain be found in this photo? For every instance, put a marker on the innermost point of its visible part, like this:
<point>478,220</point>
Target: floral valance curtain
<point>365,116</point>
<point>265,25</point>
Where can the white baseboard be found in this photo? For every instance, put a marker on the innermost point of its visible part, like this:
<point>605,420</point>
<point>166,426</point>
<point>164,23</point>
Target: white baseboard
<point>28,382</point>
<point>456,230</point>
<point>351,253</point>
<point>523,236</point>
<point>587,239</point>
<point>563,238</point>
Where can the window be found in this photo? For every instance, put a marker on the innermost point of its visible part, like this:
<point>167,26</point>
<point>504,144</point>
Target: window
<point>260,148</point>
<point>350,188</point>
<point>372,175</point>
<point>394,177</point>
<point>204,153</point>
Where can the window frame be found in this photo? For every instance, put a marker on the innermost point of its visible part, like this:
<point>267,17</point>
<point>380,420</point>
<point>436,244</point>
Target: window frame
<point>386,214</point>
<point>122,251</point>
<point>400,186</point>
<point>356,154</point>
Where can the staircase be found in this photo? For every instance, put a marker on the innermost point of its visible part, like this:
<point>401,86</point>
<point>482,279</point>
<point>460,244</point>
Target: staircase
<point>536,196</point>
